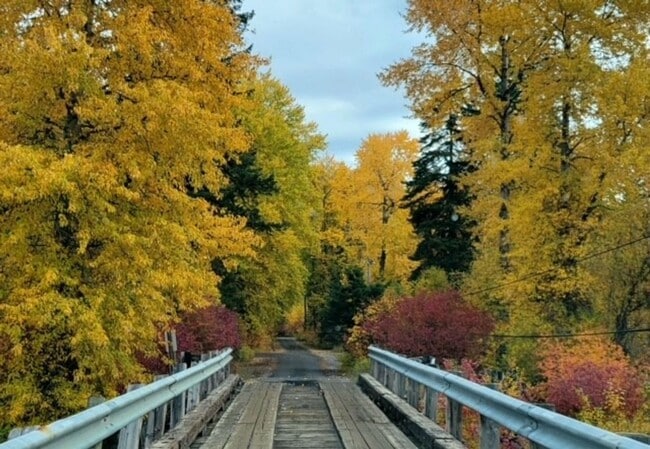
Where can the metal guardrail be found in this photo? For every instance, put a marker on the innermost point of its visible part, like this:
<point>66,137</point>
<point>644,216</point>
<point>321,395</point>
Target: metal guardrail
<point>539,425</point>
<point>87,428</point>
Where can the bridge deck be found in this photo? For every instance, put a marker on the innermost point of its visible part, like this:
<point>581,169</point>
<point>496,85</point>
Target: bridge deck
<point>327,414</point>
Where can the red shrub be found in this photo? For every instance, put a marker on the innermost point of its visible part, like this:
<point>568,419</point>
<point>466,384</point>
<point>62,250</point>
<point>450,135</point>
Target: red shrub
<point>208,329</point>
<point>442,325</point>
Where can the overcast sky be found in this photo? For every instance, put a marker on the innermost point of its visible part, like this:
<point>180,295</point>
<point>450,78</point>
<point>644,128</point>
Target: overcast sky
<point>328,52</point>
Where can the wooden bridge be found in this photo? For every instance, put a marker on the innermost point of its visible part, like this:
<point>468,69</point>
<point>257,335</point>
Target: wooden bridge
<point>328,414</point>
<point>208,407</point>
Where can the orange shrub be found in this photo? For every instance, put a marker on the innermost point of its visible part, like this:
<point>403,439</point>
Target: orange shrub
<point>588,373</point>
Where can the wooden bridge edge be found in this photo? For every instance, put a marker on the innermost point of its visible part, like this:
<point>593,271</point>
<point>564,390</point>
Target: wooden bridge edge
<point>425,431</point>
<point>196,421</point>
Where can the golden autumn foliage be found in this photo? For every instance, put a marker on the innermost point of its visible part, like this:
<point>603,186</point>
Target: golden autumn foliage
<point>108,110</point>
<point>377,222</point>
<point>553,99</point>
<point>361,206</point>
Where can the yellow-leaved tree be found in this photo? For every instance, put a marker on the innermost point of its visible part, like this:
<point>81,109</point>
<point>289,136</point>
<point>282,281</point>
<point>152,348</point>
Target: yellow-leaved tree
<point>549,94</point>
<point>112,114</point>
<point>379,232</point>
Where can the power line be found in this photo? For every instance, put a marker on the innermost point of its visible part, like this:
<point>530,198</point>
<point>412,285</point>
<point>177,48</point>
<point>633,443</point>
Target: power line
<point>586,334</point>
<point>551,270</point>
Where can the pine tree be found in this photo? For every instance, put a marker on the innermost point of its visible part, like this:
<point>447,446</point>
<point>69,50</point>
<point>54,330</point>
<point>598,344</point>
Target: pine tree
<point>435,198</point>
<point>348,295</point>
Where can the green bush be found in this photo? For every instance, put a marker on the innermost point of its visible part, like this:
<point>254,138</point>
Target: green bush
<point>353,366</point>
<point>245,354</point>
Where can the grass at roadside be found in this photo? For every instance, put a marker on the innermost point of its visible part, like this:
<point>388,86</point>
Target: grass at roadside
<point>353,366</point>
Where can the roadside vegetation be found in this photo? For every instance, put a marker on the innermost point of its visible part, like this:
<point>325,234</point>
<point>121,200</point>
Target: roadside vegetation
<point>158,178</point>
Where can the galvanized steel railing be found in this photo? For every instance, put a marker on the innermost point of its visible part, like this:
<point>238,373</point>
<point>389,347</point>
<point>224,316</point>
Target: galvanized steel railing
<point>541,426</point>
<point>87,428</point>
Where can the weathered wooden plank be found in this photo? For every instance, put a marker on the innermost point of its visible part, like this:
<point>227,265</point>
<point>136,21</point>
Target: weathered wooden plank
<point>303,420</point>
<point>255,429</point>
<point>359,422</point>
<point>250,421</point>
<point>383,433</point>
<point>427,433</point>
<point>194,423</point>
<point>263,432</point>
<point>350,435</point>
<point>222,430</point>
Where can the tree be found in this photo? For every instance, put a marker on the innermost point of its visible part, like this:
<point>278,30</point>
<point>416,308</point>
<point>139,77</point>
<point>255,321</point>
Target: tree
<point>376,224</point>
<point>621,285</point>
<point>329,260</point>
<point>435,198</point>
<point>108,109</point>
<point>477,62</point>
<point>547,81</point>
<point>362,229</point>
<point>349,295</point>
<point>276,192</point>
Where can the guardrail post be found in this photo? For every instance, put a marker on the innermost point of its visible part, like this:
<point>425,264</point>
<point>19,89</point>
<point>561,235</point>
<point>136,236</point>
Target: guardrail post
<point>382,374</point>
<point>159,416</point>
<point>412,392</point>
<point>130,435</point>
<point>454,417</point>
<point>390,379</point>
<point>214,379</point>
<point>431,404</point>
<point>178,403</point>
<point>93,401</point>
<point>205,385</point>
<point>490,432</point>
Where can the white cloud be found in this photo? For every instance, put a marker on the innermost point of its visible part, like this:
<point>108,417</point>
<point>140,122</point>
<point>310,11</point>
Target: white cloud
<point>328,53</point>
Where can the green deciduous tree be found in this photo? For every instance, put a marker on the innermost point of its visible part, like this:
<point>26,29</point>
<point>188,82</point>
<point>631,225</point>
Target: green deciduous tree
<point>264,288</point>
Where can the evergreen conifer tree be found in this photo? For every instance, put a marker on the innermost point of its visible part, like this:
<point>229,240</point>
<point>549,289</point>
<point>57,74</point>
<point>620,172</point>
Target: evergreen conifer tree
<point>436,197</point>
